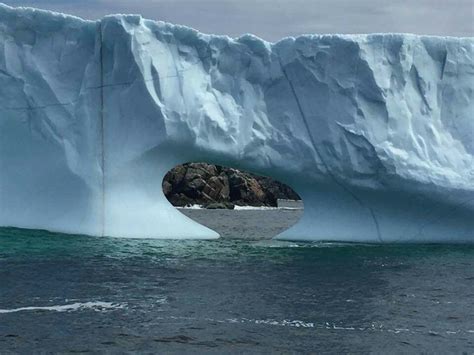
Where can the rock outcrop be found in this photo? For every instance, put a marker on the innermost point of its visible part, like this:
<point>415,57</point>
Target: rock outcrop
<point>214,186</point>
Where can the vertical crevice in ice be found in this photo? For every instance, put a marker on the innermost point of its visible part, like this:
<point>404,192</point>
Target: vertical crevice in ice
<point>326,166</point>
<point>102,129</point>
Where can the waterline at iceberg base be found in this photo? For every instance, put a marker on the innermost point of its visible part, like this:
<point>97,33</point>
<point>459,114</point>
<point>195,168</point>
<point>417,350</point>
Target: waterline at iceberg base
<point>374,132</point>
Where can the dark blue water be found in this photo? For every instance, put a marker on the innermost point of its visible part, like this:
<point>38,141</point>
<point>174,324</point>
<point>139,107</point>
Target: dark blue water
<point>62,293</point>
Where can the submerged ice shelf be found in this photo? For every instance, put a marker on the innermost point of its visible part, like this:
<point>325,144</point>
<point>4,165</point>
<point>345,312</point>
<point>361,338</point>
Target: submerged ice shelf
<point>375,132</point>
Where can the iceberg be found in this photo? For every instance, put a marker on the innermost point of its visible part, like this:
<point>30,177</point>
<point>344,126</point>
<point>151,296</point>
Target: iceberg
<point>375,132</point>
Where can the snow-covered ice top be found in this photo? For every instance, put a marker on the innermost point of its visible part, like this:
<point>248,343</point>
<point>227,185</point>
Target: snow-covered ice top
<point>375,132</point>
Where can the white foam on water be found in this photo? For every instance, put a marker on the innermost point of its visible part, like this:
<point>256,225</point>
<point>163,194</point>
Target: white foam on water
<point>266,208</point>
<point>244,208</point>
<point>97,306</point>
<point>315,325</point>
<point>192,207</point>
<point>254,208</point>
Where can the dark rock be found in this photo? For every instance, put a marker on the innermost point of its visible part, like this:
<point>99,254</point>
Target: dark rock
<point>277,189</point>
<point>219,206</point>
<point>176,176</point>
<point>167,188</point>
<point>220,187</point>
<point>180,200</point>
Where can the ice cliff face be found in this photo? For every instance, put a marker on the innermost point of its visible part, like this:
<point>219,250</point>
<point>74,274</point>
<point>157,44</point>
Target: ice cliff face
<point>375,132</point>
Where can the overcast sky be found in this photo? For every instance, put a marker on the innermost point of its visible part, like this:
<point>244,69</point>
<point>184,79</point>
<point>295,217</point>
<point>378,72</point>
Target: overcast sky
<point>274,19</point>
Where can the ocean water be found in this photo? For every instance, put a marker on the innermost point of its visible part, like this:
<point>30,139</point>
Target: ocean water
<point>240,294</point>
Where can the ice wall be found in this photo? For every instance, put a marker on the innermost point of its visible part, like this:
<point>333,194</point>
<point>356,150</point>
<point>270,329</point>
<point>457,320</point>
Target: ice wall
<point>375,132</point>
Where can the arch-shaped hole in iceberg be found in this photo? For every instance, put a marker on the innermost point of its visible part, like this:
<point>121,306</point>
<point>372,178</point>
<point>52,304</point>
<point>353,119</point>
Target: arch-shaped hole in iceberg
<point>232,202</point>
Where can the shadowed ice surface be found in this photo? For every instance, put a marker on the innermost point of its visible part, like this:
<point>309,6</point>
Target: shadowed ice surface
<point>61,293</point>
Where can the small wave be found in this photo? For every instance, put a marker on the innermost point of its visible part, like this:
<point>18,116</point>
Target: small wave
<point>275,243</point>
<point>97,306</point>
<point>321,325</point>
<point>254,208</point>
<point>266,208</point>
<point>246,208</point>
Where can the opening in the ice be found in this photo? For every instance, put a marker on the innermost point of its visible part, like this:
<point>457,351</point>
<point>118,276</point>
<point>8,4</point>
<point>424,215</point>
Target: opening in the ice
<point>232,202</point>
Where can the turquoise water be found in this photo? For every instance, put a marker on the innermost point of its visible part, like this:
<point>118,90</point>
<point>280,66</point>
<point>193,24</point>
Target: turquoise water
<point>62,293</point>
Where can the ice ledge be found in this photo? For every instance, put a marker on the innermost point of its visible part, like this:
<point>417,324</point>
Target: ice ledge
<point>375,132</point>
<point>37,12</point>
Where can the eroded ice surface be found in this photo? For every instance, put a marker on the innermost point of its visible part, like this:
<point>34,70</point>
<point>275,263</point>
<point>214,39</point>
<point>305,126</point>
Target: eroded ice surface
<point>375,132</point>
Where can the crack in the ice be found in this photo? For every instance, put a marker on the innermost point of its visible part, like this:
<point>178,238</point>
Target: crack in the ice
<point>40,107</point>
<point>330,173</point>
<point>102,127</point>
<point>439,217</point>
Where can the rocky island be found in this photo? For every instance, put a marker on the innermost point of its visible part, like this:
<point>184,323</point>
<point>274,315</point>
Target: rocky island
<point>214,186</point>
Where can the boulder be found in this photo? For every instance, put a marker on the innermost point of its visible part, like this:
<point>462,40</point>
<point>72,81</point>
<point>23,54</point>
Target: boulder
<point>219,206</point>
